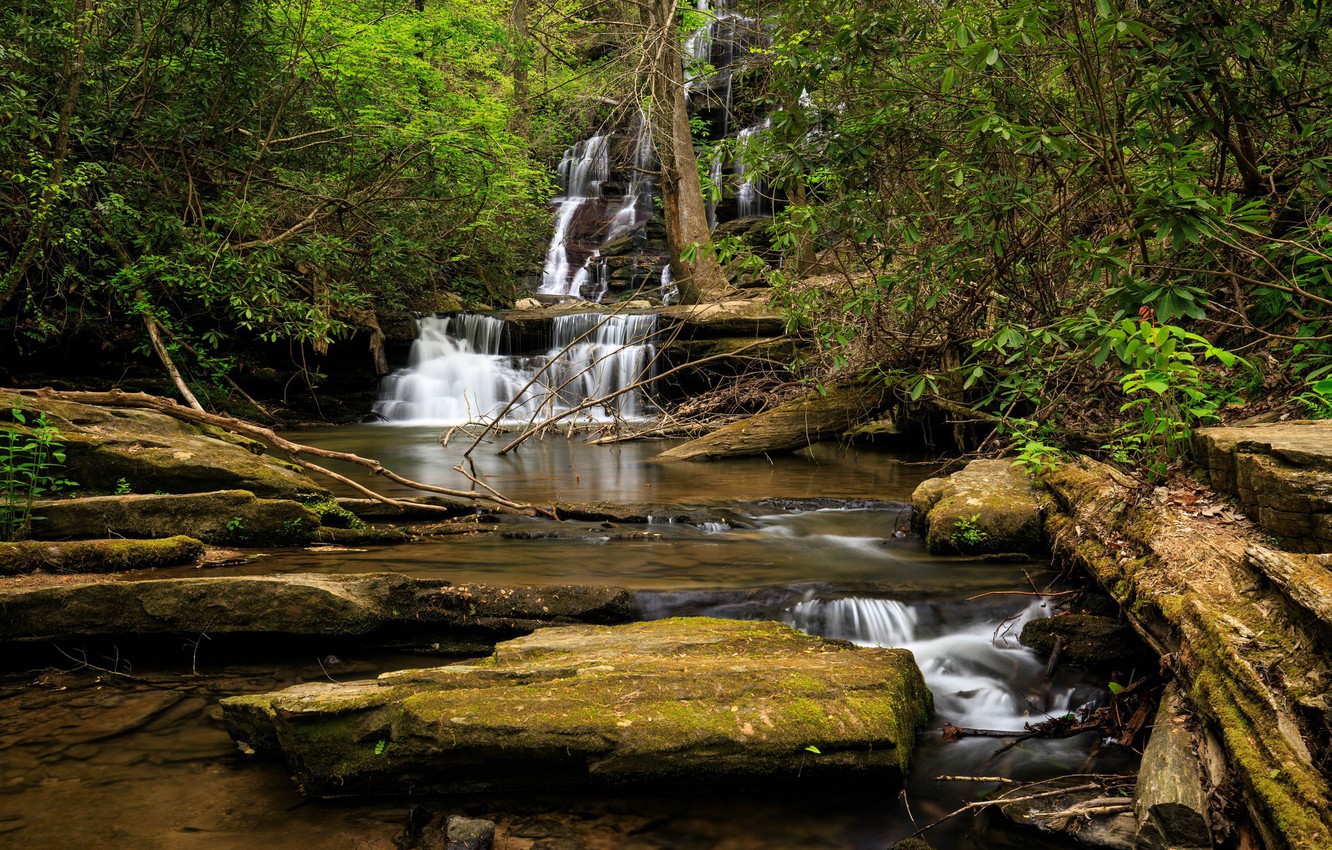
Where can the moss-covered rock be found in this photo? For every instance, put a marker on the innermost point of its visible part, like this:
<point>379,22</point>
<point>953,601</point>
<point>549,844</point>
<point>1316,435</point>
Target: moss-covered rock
<point>97,556</point>
<point>672,702</point>
<point>1088,639</point>
<point>387,608</point>
<point>227,516</point>
<point>990,507</point>
<point>152,452</point>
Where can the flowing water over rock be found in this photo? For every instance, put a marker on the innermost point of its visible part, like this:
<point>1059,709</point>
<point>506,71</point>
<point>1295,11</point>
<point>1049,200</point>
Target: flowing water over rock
<point>462,369</point>
<point>584,168</point>
<point>819,542</point>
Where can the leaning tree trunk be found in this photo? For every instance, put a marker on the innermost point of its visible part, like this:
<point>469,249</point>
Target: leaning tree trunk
<point>699,278</point>
<point>787,427</point>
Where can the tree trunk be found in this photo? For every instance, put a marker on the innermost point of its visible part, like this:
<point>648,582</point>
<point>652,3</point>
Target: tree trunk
<point>787,427</point>
<point>521,59</point>
<point>699,278</point>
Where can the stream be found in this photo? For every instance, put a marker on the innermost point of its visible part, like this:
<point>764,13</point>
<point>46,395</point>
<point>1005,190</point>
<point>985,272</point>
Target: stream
<point>816,540</point>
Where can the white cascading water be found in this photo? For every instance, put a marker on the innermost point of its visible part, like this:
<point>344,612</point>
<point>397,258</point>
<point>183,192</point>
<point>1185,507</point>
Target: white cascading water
<point>459,371</point>
<point>636,208</point>
<point>584,168</point>
<point>970,669</point>
<point>751,200</point>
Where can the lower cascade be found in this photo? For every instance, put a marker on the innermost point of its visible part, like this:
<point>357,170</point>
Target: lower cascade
<point>462,369</point>
<point>980,675</point>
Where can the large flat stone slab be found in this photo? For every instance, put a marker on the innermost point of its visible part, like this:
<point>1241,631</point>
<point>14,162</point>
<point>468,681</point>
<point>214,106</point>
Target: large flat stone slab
<point>153,452</point>
<point>387,606</point>
<point>676,702</point>
<point>227,516</point>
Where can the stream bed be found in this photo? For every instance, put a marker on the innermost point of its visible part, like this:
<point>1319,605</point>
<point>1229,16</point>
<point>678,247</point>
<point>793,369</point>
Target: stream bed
<point>818,540</point>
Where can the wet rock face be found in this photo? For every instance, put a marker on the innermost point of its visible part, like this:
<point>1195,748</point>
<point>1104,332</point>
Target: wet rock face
<point>1101,642</point>
<point>226,516</point>
<point>152,452</point>
<point>678,702</point>
<point>386,606</point>
<point>990,507</point>
<point>1282,474</point>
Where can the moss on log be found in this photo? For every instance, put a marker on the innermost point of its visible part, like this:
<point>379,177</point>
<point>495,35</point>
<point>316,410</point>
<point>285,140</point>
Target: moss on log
<point>1236,642</point>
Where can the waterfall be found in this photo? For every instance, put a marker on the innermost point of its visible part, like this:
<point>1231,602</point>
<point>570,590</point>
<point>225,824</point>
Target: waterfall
<point>751,199</point>
<point>636,208</point>
<point>583,169</point>
<point>872,622</point>
<point>461,370</point>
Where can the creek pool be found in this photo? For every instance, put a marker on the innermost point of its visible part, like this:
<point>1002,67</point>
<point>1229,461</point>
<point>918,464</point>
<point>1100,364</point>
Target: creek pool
<point>817,540</point>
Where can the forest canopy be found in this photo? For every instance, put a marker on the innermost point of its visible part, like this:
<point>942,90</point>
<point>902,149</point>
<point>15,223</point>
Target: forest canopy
<point>996,206</point>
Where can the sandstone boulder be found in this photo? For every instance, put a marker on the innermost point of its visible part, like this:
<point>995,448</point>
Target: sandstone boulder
<point>152,452</point>
<point>1282,474</point>
<point>97,556</point>
<point>989,507</point>
<point>384,607</point>
<point>680,702</point>
<point>229,516</point>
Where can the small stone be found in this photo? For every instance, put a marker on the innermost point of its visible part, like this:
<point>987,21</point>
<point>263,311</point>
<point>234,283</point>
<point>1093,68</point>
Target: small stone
<point>527,304</point>
<point>470,833</point>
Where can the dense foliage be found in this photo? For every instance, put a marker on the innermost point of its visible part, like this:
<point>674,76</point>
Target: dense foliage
<point>261,168</point>
<point>1011,185</point>
<point>1000,207</point>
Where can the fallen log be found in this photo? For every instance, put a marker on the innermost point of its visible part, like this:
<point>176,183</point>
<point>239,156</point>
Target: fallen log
<point>1254,676</point>
<point>787,427</point>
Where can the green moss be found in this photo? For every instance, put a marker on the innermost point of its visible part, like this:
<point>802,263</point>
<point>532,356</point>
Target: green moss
<point>333,515</point>
<point>659,700</point>
<point>1198,613</point>
<point>97,556</point>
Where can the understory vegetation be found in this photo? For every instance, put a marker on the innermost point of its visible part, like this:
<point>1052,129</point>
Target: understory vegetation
<point>1061,216</point>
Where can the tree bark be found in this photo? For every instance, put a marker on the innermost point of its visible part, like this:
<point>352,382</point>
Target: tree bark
<point>521,59</point>
<point>699,278</point>
<point>787,427</point>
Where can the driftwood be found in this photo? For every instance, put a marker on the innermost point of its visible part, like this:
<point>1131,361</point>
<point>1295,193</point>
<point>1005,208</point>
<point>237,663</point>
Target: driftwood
<point>296,451</point>
<point>787,427</point>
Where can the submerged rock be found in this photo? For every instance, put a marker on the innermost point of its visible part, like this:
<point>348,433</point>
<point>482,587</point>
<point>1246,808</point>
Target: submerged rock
<point>676,702</point>
<point>1087,639</point>
<point>153,452</point>
<point>227,516</point>
<point>990,507</point>
<point>469,833</point>
<point>387,607</point>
